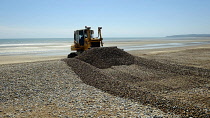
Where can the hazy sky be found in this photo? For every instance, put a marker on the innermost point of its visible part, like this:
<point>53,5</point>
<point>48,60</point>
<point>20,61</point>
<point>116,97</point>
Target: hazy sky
<point>119,18</point>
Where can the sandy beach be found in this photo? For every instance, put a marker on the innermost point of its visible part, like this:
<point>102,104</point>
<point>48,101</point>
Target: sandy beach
<point>144,53</point>
<point>27,58</point>
<point>126,45</point>
<point>45,86</point>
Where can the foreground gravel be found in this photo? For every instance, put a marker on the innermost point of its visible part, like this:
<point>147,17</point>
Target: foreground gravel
<point>52,89</point>
<point>170,87</point>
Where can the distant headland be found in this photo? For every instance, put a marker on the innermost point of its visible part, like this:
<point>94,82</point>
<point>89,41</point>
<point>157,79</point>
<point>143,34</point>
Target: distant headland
<point>190,35</point>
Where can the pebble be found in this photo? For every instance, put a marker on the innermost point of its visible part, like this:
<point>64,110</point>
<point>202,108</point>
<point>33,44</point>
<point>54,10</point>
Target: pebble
<point>52,89</point>
<point>143,80</point>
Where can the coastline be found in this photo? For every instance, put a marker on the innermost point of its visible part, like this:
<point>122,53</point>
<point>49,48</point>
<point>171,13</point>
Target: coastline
<point>165,50</point>
<point>12,59</point>
<point>27,58</point>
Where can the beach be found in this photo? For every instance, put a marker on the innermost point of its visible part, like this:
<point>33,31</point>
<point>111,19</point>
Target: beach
<point>45,86</point>
<point>52,89</point>
<point>31,51</point>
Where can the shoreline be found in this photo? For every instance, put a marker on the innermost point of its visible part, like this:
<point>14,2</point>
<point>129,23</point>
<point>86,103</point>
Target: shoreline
<point>165,50</point>
<point>142,52</point>
<point>27,58</point>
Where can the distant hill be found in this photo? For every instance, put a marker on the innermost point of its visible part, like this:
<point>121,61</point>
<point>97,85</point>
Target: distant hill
<point>191,35</point>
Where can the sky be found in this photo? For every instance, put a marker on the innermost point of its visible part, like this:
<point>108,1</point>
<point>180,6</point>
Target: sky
<point>119,18</point>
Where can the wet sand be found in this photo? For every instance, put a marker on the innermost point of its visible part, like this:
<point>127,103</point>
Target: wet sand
<point>165,50</point>
<point>27,58</point>
<point>5,59</point>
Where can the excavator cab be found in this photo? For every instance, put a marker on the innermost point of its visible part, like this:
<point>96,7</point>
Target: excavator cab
<point>84,40</point>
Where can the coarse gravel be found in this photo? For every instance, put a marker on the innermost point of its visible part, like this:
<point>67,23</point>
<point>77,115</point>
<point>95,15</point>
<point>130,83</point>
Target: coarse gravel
<point>105,57</point>
<point>53,89</point>
<point>145,81</point>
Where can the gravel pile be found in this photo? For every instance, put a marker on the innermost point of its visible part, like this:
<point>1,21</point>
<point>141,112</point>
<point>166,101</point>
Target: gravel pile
<point>51,89</point>
<point>105,57</point>
<point>145,81</point>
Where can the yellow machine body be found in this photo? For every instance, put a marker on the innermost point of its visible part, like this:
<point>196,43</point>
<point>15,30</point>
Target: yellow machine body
<point>84,40</point>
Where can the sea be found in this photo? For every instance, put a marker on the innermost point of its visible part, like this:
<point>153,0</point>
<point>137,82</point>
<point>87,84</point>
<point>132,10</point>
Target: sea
<point>61,46</point>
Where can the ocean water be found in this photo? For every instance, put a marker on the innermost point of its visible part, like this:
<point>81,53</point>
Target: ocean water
<point>61,46</point>
<point>35,46</point>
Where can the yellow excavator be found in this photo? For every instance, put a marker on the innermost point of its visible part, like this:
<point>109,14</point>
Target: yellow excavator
<point>84,40</point>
